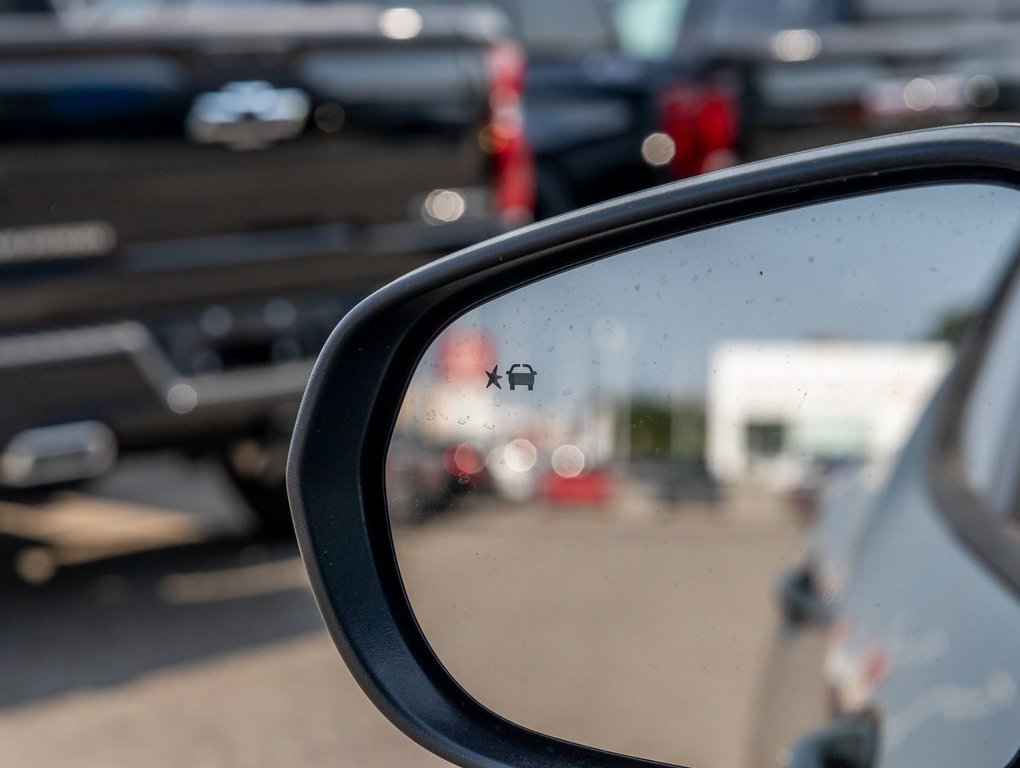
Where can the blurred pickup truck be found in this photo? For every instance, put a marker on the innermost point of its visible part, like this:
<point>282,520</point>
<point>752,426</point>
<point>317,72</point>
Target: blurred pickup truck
<point>816,72</point>
<point>193,193</point>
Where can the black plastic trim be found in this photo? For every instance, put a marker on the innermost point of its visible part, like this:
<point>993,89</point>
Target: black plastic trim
<point>335,475</point>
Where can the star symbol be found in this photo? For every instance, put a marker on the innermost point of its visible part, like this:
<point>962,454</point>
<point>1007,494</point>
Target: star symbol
<point>493,378</point>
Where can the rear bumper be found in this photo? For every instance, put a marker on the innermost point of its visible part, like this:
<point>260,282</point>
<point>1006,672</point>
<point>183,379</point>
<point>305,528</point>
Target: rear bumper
<point>117,374</point>
<point>119,350</point>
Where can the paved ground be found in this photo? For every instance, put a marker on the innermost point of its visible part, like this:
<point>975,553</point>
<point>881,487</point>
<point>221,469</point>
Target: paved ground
<point>158,636</point>
<point>646,634</point>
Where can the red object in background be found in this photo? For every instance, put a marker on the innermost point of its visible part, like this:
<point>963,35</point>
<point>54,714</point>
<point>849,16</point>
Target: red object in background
<point>703,123</point>
<point>586,488</point>
<point>463,459</point>
<point>466,463</point>
<point>465,355</point>
<point>838,635</point>
<point>876,665</point>
<point>513,163</point>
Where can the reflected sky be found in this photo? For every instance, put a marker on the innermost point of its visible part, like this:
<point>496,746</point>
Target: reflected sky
<point>643,325</point>
<point>881,267</point>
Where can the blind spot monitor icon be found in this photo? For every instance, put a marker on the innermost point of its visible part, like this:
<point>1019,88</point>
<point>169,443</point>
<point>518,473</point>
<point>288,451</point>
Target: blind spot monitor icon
<point>518,377</point>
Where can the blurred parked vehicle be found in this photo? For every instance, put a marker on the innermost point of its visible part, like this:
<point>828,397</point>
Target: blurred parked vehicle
<point>814,73</point>
<point>872,597</point>
<point>419,483</point>
<point>604,123</point>
<point>601,121</point>
<point>690,482</point>
<point>195,193</point>
<point>845,503</point>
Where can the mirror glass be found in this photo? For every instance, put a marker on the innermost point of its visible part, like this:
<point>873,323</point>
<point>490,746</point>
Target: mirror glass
<point>625,498</point>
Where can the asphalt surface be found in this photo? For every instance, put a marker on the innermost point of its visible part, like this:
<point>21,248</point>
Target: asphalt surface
<point>157,634</point>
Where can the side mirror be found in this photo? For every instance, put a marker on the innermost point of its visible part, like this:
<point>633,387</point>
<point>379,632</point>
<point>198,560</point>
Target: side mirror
<point>841,745</point>
<point>543,487</point>
<point>799,598</point>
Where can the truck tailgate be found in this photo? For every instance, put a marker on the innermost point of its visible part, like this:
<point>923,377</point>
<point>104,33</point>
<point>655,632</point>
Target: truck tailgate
<point>213,145</point>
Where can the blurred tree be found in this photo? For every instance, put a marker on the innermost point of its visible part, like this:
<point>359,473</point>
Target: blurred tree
<point>660,432</point>
<point>951,325</point>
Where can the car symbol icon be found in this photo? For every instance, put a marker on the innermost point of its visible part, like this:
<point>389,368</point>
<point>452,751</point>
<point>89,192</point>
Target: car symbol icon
<point>520,378</point>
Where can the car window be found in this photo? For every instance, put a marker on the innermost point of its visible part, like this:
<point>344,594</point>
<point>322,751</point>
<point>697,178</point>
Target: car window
<point>565,26</point>
<point>990,443</point>
<point>648,28</point>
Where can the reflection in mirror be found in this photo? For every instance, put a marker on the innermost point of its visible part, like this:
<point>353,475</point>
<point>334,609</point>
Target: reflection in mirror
<point>616,492</point>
